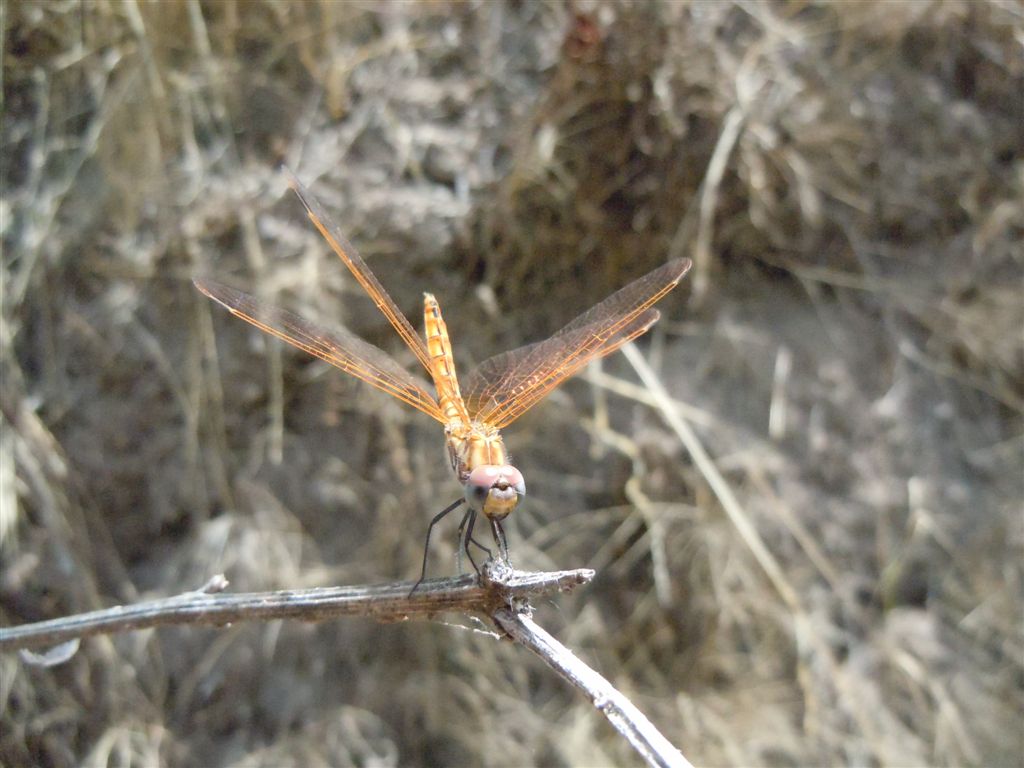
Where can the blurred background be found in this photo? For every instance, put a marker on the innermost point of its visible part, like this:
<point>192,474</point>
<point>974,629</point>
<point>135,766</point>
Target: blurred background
<point>848,179</point>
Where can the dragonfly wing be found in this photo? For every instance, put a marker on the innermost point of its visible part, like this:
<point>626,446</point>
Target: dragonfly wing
<point>504,387</point>
<point>500,390</point>
<point>338,347</point>
<point>362,273</point>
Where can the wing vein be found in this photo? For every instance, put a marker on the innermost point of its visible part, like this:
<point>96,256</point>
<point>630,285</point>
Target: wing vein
<point>361,271</point>
<point>502,388</point>
<point>340,348</point>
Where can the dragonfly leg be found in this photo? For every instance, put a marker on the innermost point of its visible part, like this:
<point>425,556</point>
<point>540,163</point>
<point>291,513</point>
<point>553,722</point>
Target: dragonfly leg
<point>481,547</point>
<point>499,538</point>
<point>461,545</point>
<point>426,544</point>
<point>470,522</point>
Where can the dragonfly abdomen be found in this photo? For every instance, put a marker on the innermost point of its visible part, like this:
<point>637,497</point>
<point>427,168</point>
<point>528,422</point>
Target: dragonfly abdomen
<point>442,362</point>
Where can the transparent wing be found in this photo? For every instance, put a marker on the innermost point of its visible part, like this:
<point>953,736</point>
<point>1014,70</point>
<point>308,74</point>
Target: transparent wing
<point>338,347</point>
<point>504,387</point>
<point>361,272</point>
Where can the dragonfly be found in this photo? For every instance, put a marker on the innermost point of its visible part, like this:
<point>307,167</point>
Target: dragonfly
<point>496,393</point>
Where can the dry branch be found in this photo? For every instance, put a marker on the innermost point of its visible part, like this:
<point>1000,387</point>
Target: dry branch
<point>502,593</point>
<point>620,711</point>
<point>385,602</point>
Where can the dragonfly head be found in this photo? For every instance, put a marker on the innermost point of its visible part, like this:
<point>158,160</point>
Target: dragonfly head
<point>495,490</point>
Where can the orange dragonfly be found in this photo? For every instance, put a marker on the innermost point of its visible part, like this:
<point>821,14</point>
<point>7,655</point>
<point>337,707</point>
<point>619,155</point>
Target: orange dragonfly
<point>496,393</point>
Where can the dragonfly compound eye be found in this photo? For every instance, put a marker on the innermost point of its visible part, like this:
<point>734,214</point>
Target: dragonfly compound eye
<point>495,490</point>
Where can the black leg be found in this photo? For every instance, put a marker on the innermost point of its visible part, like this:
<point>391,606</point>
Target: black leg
<point>426,545</point>
<point>480,547</point>
<point>460,546</point>
<point>499,538</point>
<point>469,537</point>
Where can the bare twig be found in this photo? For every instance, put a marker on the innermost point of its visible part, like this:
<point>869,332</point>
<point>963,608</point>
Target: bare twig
<point>502,593</point>
<point>387,602</point>
<point>620,711</point>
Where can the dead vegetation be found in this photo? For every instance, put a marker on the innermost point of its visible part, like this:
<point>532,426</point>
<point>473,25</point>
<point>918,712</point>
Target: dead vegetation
<point>848,178</point>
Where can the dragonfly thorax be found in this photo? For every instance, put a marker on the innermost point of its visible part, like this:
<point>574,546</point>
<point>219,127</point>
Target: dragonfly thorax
<point>473,445</point>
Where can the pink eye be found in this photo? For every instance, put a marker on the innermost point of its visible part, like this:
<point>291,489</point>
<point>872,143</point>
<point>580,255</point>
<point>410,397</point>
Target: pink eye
<point>499,484</point>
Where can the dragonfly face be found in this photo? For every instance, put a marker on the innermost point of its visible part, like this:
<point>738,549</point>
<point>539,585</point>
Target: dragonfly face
<point>495,490</point>
<point>496,393</point>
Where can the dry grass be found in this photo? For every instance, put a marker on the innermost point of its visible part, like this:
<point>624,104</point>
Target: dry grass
<point>849,179</point>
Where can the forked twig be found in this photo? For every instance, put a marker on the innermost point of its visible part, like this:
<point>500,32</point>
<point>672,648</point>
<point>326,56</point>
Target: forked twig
<point>502,594</point>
